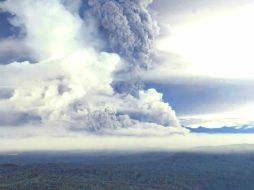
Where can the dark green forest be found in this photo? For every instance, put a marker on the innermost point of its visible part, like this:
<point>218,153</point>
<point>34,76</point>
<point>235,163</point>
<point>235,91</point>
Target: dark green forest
<point>126,171</point>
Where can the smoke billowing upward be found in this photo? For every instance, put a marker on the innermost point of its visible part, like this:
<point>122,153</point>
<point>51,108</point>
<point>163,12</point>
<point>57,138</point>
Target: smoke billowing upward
<point>129,28</point>
<point>130,31</point>
<point>76,87</point>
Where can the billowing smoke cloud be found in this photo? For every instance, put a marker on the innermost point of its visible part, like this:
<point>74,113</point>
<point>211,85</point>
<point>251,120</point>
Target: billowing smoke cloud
<point>130,31</point>
<point>70,86</point>
<point>128,28</point>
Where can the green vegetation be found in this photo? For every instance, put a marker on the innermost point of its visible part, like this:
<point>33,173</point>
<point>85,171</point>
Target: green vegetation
<point>150,171</point>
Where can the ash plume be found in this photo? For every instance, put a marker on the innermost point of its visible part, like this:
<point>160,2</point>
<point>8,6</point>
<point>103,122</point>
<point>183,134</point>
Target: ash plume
<point>130,30</point>
<point>75,86</point>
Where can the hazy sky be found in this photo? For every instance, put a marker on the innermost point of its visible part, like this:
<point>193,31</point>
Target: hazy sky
<point>208,60</point>
<point>75,69</point>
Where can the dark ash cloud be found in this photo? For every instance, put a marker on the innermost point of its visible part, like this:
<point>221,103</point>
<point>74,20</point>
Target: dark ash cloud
<point>128,26</point>
<point>130,31</point>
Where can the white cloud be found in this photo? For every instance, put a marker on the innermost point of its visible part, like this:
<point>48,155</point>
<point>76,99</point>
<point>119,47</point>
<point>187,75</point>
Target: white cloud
<point>215,45</point>
<point>48,26</point>
<point>69,88</point>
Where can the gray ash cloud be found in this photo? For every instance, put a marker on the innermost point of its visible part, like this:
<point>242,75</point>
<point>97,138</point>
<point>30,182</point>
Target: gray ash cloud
<point>130,31</point>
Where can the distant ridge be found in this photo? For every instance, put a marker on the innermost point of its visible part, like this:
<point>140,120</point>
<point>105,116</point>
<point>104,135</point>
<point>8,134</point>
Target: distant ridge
<point>245,129</point>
